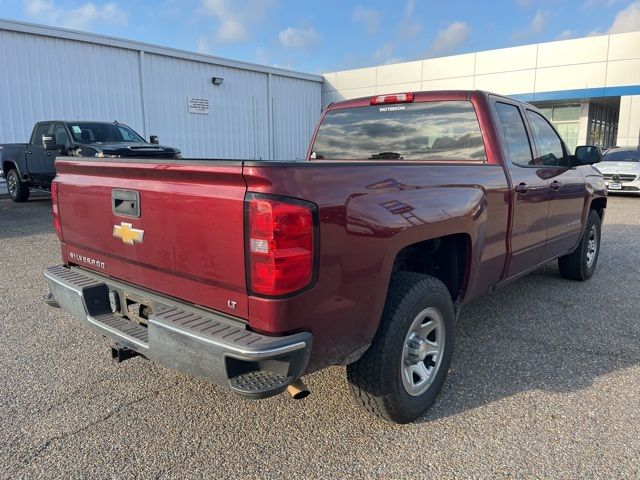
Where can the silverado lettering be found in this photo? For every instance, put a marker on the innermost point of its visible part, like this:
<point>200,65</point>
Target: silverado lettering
<point>409,207</point>
<point>87,260</point>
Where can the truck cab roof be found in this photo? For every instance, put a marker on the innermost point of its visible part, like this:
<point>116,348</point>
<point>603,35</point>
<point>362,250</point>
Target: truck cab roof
<point>422,96</point>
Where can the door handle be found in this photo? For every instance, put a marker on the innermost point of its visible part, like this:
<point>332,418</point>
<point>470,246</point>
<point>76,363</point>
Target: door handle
<point>29,152</point>
<point>555,185</point>
<point>125,202</point>
<point>522,188</point>
<point>48,154</point>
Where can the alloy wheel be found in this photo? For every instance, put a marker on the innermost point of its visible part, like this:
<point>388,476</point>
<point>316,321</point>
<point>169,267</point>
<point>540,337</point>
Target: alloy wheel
<point>592,246</point>
<point>12,184</point>
<point>422,351</point>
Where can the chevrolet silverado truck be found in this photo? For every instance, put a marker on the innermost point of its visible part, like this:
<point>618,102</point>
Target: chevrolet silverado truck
<point>251,274</point>
<point>31,165</point>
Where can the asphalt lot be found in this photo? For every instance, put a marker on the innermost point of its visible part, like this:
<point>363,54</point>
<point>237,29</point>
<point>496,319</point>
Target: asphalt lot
<point>545,383</point>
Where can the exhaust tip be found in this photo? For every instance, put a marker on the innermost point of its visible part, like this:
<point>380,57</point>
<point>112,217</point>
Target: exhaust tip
<point>300,395</point>
<point>298,390</point>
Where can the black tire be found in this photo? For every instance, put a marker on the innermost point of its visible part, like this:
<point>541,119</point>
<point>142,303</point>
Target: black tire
<point>376,379</point>
<point>18,191</point>
<point>578,265</point>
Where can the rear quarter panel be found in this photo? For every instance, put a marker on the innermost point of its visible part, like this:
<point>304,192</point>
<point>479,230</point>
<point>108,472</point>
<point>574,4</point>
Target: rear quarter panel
<point>368,212</point>
<point>13,153</point>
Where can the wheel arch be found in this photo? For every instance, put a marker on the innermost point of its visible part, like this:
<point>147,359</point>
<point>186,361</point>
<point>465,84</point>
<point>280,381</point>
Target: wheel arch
<point>447,258</point>
<point>10,165</point>
<point>599,205</point>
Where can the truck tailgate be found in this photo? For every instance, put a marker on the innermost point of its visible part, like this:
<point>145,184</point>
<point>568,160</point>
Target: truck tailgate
<point>187,240</point>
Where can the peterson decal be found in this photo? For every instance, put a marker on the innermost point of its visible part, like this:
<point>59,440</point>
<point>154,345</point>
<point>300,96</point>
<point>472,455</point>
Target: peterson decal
<point>392,109</point>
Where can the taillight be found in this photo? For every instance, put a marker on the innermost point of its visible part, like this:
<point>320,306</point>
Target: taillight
<point>395,98</point>
<point>56,212</point>
<point>280,244</point>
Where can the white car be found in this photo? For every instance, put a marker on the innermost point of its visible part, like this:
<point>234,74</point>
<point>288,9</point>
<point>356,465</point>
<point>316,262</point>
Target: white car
<point>621,169</point>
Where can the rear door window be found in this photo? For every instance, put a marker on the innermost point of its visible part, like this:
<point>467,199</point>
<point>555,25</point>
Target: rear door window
<point>443,130</point>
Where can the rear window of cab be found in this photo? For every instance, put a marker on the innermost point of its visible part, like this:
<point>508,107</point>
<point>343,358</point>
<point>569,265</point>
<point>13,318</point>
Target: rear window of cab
<point>440,130</point>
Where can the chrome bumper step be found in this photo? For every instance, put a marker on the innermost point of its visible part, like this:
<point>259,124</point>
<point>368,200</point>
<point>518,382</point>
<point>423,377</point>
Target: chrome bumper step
<point>202,343</point>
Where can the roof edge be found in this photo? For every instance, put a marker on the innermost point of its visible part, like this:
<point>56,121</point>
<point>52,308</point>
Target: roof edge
<point>88,37</point>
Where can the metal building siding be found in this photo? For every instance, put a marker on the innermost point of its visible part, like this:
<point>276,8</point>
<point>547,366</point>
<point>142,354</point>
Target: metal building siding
<point>258,112</point>
<point>295,109</point>
<point>45,78</point>
<point>236,125</point>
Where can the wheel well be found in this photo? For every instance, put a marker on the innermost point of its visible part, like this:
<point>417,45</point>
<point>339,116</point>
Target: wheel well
<point>599,204</point>
<point>444,258</point>
<point>6,166</point>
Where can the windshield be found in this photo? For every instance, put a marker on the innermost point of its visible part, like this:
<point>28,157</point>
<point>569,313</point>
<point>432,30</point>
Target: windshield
<point>619,155</point>
<point>85,132</point>
<point>442,130</point>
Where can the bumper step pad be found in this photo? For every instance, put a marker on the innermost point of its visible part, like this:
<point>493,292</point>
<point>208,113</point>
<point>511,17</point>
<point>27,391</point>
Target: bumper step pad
<point>259,383</point>
<point>208,328</point>
<point>124,325</point>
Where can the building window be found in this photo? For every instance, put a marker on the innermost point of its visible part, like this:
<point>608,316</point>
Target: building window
<point>603,124</point>
<point>566,119</point>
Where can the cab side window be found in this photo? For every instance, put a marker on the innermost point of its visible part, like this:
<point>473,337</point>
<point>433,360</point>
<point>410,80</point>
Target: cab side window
<point>60,134</point>
<point>41,130</point>
<point>550,151</point>
<point>515,134</point>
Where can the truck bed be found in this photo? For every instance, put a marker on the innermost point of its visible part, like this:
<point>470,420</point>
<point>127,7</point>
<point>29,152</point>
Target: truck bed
<point>10,151</point>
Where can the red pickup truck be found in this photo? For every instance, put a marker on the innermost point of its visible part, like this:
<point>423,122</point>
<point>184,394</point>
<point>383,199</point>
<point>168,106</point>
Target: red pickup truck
<point>251,274</point>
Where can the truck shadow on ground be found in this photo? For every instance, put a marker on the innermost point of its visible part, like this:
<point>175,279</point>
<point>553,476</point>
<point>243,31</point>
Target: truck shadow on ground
<point>547,333</point>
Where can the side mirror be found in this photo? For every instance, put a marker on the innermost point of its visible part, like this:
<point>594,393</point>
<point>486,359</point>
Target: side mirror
<point>588,154</point>
<point>154,139</point>
<point>49,143</point>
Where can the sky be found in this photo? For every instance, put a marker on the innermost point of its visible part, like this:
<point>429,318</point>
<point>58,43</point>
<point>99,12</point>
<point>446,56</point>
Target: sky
<point>330,35</point>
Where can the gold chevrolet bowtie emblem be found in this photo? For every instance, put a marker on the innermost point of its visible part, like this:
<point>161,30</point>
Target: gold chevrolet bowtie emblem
<point>127,233</point>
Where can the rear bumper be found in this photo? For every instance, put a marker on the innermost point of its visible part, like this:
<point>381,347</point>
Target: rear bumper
<point>215,347</point>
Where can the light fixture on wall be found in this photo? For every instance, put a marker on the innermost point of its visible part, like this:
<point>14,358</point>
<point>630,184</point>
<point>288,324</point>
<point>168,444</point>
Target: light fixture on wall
<point>216,80</point>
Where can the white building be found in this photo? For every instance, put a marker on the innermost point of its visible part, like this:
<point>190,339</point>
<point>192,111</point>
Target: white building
<point>257,112</point>
<point>589,87</point>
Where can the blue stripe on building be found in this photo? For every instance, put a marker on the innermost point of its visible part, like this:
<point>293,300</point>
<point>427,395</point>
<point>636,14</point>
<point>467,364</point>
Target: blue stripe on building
<point>578,94</point>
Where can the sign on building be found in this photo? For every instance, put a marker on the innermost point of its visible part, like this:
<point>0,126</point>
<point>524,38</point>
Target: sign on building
<point>199,105</point>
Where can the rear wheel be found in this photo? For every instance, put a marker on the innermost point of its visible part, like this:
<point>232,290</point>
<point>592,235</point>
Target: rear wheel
<point>400,375</point>
<point>581,263</point>
<point>18,191</point>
